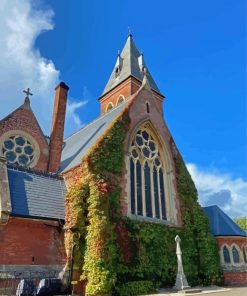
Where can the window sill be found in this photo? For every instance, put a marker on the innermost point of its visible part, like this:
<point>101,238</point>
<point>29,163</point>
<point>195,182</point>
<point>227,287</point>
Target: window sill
<point>152,220</point>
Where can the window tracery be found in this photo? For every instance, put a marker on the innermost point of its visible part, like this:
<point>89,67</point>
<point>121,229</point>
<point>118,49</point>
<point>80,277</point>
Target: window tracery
<point>147,177</point>
<point>18,150</point>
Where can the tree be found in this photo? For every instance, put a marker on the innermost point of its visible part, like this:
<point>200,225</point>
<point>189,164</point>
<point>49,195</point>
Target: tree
<point>242,222</point>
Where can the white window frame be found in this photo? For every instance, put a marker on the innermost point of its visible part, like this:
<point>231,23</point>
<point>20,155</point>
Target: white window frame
<point>107,107</point>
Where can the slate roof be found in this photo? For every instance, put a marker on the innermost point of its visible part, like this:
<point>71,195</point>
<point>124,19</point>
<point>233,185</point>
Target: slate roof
<point>36,195</point>
<point>221,224</point>
<point>78,144</point>
<point>131,63</point>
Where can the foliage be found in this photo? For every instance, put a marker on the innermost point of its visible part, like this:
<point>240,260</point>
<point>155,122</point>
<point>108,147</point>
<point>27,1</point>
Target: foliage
<point>242,222</point>
<point>76,219</point>
<point>122,256</point>
<point>200,255</point>
<point>136,288</point>
<point>105,165</point>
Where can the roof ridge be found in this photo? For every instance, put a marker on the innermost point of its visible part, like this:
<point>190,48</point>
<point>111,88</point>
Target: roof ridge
<point>35,172</point>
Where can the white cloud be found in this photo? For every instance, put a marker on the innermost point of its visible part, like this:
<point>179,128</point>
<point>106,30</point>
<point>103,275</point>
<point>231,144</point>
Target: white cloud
<point>22,65</point>
<point>71,112</point>
<point>220,189</point>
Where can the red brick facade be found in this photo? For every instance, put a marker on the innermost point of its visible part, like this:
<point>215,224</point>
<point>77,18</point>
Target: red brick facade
<point>234,274</point>
<point>138,116</point>
<point>126,89</point>
<point>235,278</point>
<point>23,119</point>
<point>31,242</point>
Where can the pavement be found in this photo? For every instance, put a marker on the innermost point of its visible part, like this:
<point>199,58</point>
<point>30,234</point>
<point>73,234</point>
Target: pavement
<point>210,291</point>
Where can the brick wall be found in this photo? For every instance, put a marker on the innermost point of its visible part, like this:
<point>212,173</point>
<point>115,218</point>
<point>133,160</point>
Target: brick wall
<point>229,240</point>
<point>234,274</point>
<point>22,239</point>
<point>235,278</point>
<point>138,115</point>
<point>23,119</point>
<point>127,88</point>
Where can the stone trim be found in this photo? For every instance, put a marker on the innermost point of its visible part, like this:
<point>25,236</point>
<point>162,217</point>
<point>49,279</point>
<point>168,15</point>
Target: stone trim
<point>5,202</point>
<point>27,136</point>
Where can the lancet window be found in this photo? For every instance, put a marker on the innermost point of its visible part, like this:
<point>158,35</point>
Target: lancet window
<point>226,255</point>
<point>235,255</point>
<point>147,177</point>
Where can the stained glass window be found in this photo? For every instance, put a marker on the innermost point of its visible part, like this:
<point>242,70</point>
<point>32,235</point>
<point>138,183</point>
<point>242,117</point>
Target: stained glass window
<point>132,185</point>
<point>139,188</point>
<point>226,255</point>
<point>244,253</point>
<point>147,177</point>
<point>18,150</point>
<point>235,255</point>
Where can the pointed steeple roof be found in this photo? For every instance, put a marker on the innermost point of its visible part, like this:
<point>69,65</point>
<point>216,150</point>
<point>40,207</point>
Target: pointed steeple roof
<point>129,63</point>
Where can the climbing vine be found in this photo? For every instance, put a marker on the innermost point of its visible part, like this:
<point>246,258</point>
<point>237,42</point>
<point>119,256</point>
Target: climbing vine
<point>118,255</point>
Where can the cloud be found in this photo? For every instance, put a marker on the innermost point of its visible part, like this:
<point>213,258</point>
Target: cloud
<point>71,112</point>
<point>22,65</point>
<point>221,189</point>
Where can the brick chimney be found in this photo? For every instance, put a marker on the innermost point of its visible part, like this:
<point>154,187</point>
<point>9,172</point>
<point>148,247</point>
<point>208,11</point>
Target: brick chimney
<point>57,128</point>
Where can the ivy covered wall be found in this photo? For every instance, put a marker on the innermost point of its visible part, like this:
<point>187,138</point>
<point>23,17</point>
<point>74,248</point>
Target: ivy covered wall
<point>119,256</point>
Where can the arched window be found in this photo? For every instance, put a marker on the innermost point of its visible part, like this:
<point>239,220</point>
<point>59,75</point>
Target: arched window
<point>147,108</point>
<point>244,255</point>
<point>109,107</point>
<point>19,148</point>
<point>226,255</point>
<point>120,100</point>
<point>235,255</point>
<point>147,177</point>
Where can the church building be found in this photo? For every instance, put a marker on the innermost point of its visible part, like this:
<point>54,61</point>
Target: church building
<point>106,202</point>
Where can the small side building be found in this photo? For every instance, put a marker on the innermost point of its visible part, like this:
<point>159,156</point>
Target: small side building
<point>232,244</point>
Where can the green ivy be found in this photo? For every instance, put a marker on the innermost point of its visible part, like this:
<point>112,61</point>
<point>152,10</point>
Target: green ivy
<point>116,252</point>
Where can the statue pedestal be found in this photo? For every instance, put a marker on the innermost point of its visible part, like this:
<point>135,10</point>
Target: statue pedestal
<point>181,282</point>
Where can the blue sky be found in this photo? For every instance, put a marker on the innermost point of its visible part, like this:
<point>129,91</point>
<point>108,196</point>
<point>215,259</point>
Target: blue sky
<point>195,51</point>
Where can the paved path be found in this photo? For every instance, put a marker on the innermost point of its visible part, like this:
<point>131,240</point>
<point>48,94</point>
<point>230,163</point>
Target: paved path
<point>208,291</point>
<point>241,291</point>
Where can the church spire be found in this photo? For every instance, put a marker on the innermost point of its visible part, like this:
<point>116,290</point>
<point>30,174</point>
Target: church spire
<point>129,63</point>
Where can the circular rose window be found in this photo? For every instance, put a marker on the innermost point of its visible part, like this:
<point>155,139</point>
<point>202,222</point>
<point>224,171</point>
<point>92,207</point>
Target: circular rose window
<point>18,150</point>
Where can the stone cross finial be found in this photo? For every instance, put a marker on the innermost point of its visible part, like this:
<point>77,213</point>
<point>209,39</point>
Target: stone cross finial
<point>28,93</point>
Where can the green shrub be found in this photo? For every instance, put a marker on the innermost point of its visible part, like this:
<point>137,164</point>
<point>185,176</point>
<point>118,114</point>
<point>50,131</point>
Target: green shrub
<point>136,288</point>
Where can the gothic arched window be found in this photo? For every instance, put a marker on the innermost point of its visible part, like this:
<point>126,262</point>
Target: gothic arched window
<point>235,255</point>
<point>120,100</point>
<point>226,255</point>
<point>244,255</point>
<point>147,177</point>
<point>109,107</point>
